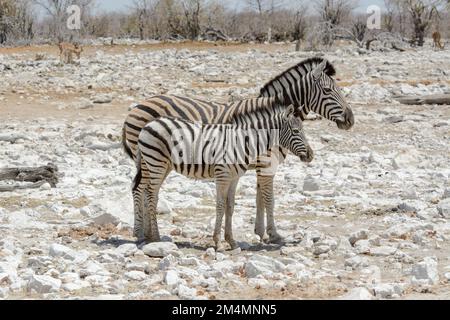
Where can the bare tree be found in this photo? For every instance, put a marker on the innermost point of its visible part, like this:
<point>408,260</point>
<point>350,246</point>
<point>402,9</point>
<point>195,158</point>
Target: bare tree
<point>192,10</point>
<point>333,13</point>
<point>16,20</point>
<point>422,13</point>
<point>300,26</point>
<point>57,12</point>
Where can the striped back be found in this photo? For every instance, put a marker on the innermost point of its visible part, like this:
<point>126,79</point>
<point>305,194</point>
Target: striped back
<point>194,149</point>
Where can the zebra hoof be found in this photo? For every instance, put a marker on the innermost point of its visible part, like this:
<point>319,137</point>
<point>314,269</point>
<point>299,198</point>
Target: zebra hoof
<point>276,239</point>
<point>233,245</point>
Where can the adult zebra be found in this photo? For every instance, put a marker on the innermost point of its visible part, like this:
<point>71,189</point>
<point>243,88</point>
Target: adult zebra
<point>308,86</point>
<point>223,152</point>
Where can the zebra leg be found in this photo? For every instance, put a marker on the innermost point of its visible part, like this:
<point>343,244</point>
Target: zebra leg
<point>151,232</point>
<point>259,222</point>
<point>221,201</point>
<point>229,215</point>
<point>150,219</point>
<point>157,177</point>
<point>269,203</point>
<point>138,230</point>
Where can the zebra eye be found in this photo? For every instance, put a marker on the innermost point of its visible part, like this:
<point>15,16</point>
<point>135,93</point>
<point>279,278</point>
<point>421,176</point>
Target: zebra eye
<point>327,90</point>
<point>296,131</point>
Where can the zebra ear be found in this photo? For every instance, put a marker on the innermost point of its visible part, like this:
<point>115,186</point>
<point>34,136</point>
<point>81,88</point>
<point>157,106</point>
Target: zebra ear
<point>289,112</point>
<point>317,72</point>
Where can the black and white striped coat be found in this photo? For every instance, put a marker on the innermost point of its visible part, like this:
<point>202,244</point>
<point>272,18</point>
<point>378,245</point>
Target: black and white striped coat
<point>308,86</point>
<point>223,152</point>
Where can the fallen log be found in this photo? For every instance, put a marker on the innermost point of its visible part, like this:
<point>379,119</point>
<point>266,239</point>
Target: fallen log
<point>37,175</point>
<point>429,99</point>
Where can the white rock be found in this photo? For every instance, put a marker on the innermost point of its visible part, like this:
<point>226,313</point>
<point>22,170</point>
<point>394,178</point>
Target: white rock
<point>58,250</point>
<point>358,235</point>
<point>4,292</point>
<point>189,261</point>
<point>135,275</point>
<point>210,254</point>
<point>46,186</point>
<point>105,219</point>
<point>98,280</point>
<point>171,278</point>
<point>382,251</point>
<point>425,272</point>
<point>447,276</point>
<point>362,246</point>
<point>164,206</point>
<point>444,208</point>
<point>43,284</point>
<point>159,249</point>
<point>259,264</point>
<point>75,286</point>
<point>354,262</point>
<point>258,283</point>
<point>388,291</point>
<point>137,266</point>
<point>186,293</point>
<point>167,262</point>
<point>127,249</point>
<point>68,277</point>
<point>357,294</point>
<point>160,294</point>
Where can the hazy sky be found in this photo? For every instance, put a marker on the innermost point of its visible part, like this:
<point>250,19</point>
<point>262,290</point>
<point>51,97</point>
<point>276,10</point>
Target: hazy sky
<point>122,4</point>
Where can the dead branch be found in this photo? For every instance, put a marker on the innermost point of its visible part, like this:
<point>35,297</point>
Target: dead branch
<point>36,175</point>
<point>442,99</point>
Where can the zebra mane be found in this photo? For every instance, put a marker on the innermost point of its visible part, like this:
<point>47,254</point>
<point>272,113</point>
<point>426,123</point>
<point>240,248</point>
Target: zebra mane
<point>250,106</point>
<point>301,68</point>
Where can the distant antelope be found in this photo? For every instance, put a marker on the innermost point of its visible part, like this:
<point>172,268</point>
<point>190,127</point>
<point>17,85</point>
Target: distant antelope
<point>66,51</point>
<point>437,40</point>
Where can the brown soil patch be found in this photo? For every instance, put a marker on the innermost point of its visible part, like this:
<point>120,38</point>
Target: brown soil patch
<point>102,232</point>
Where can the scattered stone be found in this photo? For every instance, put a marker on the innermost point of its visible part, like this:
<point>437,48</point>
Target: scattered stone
<point>105,219</point>
<point>127,249</point>
<point>425,272</point>
<point>444,208</point>
<point>358,235</point>
<point>161,294</point>
<point>43,284</point>
<point>186,293</point>
<point>135,275</point>
<point>357,294</point>
<point>382,251</point>
<point>102,98</point>
<point>159,249</point>
<point>58,250</point>
<point>171,278</point>
<point>386,291</point>
<point>164,206</point>
<point>258,283</point>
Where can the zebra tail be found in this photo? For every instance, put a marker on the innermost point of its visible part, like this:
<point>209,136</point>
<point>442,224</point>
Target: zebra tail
<point>138,177</point>
<point>125,146</point>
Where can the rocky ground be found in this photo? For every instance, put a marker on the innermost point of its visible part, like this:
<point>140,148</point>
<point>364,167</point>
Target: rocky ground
<point>369,218</point>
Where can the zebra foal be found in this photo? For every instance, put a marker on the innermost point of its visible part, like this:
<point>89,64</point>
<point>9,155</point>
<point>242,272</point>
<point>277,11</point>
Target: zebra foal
<point>223,152</point>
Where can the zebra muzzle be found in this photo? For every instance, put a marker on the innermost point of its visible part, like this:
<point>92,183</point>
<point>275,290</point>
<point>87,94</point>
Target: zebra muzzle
<point>308,156</point>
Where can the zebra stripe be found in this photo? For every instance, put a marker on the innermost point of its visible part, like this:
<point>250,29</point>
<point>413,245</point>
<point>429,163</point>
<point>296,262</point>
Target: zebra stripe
<point>307,82</point>
<point>159,145</point>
